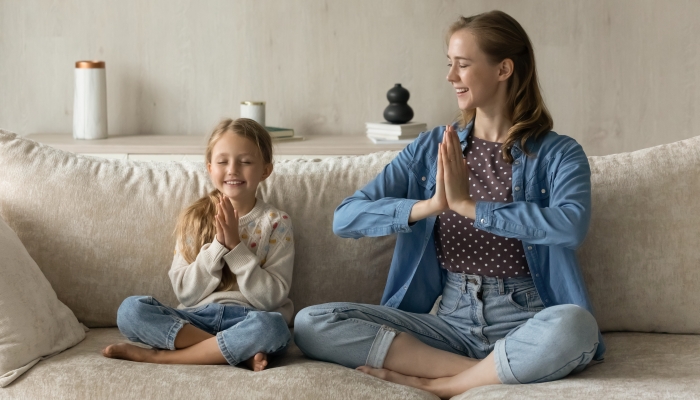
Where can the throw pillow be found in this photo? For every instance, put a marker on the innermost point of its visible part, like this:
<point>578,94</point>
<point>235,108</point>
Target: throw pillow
<point>34,324</point>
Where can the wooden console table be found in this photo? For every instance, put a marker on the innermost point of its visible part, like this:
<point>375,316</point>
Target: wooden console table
<point>191,147</point>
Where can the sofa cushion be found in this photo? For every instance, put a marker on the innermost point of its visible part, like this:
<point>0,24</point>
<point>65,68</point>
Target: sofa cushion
<point>641,256</point>
<point>102,230</point>
<point>34,324</point>
<point>637,366</point>
<point>82,373</point>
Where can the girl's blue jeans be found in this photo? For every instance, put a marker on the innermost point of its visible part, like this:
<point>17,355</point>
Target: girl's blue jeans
<point>241,332</point>
<point>476,316</point>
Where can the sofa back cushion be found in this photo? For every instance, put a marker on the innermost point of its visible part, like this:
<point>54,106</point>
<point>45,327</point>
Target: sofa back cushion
<point>102,230</point>
<point>641,258</point>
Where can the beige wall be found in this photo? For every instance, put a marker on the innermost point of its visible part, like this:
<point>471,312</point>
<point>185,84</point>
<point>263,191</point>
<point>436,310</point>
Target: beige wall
<point>617,75</point>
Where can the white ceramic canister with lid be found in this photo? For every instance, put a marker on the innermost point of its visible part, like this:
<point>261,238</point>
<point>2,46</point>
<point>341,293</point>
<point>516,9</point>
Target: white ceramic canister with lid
<point>254,110</point>
<point>90,101</point>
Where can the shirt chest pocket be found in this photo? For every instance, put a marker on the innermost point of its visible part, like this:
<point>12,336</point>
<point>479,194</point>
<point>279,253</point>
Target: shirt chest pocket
<point>424,175</point>
<point>538,186</point>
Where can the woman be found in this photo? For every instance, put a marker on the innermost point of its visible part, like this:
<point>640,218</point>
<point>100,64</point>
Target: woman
<point>488,213</point>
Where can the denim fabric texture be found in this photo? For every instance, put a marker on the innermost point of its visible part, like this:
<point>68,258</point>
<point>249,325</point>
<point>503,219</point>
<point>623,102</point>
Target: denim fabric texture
<point>550,214</point>
<point>476,316</point>
<point>241,332</point>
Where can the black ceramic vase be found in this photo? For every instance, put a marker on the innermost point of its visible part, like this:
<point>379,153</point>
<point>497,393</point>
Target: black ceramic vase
<point>398,111</point>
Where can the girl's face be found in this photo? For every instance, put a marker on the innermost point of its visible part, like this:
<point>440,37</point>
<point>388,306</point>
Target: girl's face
<point>237,167</point>
<point>477,81</point>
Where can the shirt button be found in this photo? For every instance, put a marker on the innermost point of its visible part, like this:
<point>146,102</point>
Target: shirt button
<point>423,178</point>
<point>517,188</point>
<point>544,191</point>
<point>516,162</point>
<point>483,221</point>
<point>529,247</point>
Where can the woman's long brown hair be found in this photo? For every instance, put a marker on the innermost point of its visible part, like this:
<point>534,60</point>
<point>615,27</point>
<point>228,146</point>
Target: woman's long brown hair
<point>195,225</point>
<point>501,37</point>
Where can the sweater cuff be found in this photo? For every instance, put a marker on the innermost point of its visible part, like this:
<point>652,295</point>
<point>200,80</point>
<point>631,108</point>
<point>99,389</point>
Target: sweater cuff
<point>215,252</point>
<point>239,258</point>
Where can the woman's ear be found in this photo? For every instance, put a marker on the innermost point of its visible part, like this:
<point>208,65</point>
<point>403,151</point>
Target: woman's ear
<point>267,171</point>
<point>209,168</point>
<point>505,69</point>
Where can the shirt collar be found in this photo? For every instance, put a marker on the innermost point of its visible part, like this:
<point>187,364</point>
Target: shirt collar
<point>465,132</point>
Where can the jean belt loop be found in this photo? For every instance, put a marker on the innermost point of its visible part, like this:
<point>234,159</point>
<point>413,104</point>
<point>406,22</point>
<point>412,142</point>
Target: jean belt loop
<point>501,289</point>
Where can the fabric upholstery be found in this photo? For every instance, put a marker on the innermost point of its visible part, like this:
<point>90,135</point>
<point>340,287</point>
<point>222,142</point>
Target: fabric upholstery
<point>640,258</point>
<point>82,373</point>
<point>640,366</point>
<point>102,230</point>
<point>34,324</point>
<point>636,366</point>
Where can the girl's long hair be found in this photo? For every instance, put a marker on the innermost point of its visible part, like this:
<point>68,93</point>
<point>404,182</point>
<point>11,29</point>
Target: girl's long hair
<point>500,36</point>
<point>196,224</point>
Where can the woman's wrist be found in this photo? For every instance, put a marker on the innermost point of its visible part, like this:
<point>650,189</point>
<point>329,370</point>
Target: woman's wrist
<point>465,208</point>
<point>424,209</point>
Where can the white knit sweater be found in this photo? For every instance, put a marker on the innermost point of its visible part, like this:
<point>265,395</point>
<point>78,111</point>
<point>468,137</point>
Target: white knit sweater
<point>262,264</point>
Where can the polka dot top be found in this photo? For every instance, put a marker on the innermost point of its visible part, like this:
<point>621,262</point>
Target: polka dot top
<point>462,248</point>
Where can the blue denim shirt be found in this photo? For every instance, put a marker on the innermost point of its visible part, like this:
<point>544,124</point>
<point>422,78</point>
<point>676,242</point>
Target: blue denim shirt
<point>550,214</point>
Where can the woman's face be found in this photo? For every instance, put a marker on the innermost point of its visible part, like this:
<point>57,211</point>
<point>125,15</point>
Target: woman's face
<point>474,77</point>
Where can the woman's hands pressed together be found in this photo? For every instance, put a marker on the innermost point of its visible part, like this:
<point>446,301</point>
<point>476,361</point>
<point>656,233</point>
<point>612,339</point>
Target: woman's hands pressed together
<point>451,182</point>
<point>227,224</point>
<point>455,176</point>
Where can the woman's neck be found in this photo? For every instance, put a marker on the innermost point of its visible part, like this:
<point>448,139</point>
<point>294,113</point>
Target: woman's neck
<point>491,123</point>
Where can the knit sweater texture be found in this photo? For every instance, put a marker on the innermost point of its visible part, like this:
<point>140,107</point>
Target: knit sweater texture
<point>262,264</point>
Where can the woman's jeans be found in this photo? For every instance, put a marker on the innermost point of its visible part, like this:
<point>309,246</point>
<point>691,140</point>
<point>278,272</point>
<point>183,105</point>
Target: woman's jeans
<point>476,316</point>
<point>241,332</point>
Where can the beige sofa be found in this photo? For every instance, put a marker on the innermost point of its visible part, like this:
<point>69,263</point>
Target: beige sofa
<point>101,230</point>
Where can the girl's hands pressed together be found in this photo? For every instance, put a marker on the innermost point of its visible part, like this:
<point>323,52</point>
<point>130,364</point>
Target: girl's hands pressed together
<point>227,224</point>
<point>455,175</point>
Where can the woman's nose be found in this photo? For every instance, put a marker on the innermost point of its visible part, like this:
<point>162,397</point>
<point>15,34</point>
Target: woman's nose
<point>452,75</point>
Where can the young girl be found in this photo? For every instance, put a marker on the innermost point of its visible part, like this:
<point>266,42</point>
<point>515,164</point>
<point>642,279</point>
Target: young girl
<point>232,268</point>
<point>489,213</point>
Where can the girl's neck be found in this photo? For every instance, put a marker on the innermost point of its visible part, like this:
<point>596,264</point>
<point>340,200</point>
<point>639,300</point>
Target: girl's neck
<point>491,125</point>
<point>243,206</point>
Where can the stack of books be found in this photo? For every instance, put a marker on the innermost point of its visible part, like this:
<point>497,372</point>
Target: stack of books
<point>282,134</point>
<point>388,133</point>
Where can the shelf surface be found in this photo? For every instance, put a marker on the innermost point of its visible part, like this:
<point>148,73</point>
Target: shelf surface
<point>327,145</point>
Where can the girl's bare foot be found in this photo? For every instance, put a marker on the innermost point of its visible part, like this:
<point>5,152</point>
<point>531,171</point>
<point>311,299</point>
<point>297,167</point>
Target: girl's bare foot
<point>126,351</point>
<point>258,362</point>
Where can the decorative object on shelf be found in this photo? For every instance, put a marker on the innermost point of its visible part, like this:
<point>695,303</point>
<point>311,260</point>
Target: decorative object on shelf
<point>388,133</point>
<point>398,111</point>
<point>254,110</point>
<point>90,100</point>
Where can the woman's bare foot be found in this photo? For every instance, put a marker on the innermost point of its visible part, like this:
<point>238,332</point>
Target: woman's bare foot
<point>258,362</point>
<point>126,351</point>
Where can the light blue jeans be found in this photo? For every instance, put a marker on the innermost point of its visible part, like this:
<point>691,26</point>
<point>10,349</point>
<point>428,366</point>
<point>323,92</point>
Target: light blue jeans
<point>241,332</point>
<point>476,316</point>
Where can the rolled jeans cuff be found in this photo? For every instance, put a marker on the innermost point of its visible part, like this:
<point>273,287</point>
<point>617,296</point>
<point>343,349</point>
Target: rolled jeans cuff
<point>380,346</point>
<point>505,374</point>
<point>172,333</point>
<point>224,350</point>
